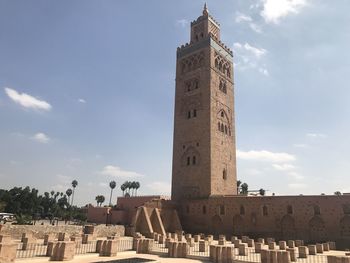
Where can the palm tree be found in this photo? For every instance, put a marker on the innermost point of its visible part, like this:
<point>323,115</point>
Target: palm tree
<point>100,199</point>
<point>112,185</point>
<point>262,192</point>
<point>137,186</point>
<point>238,185</point>
<point>123,188</point>
<point>128,186</point>
<point>244,189</point>
<point>69,193</point>
<point>52,193</point>
<point>133,187</point>
<point>74,184</point>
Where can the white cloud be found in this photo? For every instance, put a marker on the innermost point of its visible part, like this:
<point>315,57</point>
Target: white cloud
<point>316,135</point>
<point>297,186</point>
<point>300,145</point>
<point>162,188</point>
<point>64,179</point>
<point>103,184</point>
<point>255,27</point>
<point>41,137</point>
<point>116,171</point>
<point>182,22</point>
<point>27,100</point>
<point>249,57</point>
<point>296,175</point>
<point>266,156</point>
<point>242,18</point>
<point>283,167</point>
<point>81,100</point>
<point>274,10</point>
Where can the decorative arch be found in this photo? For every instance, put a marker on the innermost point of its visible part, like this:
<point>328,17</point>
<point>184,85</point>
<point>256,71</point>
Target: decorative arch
<point>239,227</point>
<point>317,229</point>
<point>224,122</point>
<point>189,155</point>
<point>288,230</point>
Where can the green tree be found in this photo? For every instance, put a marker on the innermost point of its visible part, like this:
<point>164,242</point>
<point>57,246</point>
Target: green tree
<point>244,189</point>
<point>337,193</point>
<point>262,192</point>
<point>69,192</point>
<point>112,185</point>
<point>238,186</point>
<point>137,186</point>
<point>123,188</point>
<point>99,199</point>
<point>74,185</point>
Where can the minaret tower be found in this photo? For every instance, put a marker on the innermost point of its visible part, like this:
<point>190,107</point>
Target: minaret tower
<point>204,149</point>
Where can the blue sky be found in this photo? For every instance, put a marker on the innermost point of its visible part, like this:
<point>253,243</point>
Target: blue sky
<point>87,92</point>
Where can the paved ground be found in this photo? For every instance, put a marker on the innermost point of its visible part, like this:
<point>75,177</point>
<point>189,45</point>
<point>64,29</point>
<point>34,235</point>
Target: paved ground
<point>94,258</point>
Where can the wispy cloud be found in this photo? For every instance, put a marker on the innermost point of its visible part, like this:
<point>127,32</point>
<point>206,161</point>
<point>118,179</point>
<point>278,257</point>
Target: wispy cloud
<point>182,22</point>
<point>249,57</point>
<point>81,100</point>
<point>116,171</point>
<point>27,101</point>
<point>283,167</point>
<point>266,156</point>
<point>300,145</point>
<point>274,10</point>
<point>162,188</point>
<point>296,176</point>
<point>243,18</point>
<point>316,135</point>
<point>41,137</point>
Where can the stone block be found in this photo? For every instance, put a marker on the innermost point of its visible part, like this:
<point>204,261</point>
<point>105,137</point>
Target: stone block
<point>203,246</point>
<point>174,236</point>
<point>209,238</point>
<point>312,249</point>
<point>258,247</point>
<point>7,252</point>
<point>264,255</point>
<point>100,242</point>
<point>89,230</point>
<point>77,240</point>
<point>237,242</point>
<point>48,238</point>
<point>325,246</point>
<point>299,243</point>
<point>283,257</point>
<point>332,245</point>
<point>233,238</point>
<point>26,235</point>
<point>292,254</point>
<point>269,239</point>
<point>87,237</point>
<point>319,248</point>
<point>245,239</point>
<point>261,240</point>
<point>222,237</point>
<point>222,242</point>
<point>242,249</point>
<point>202,235</point>
<point>273,256</point>
<point>167,241</point>
<point>197,238</point>
<point>212,252</point>
<point>282,245</point>
<point>161,239</point>
<point>27,242</point>
<point>272,245</point>
<point>188,236</point>
<point>250,242</point>
<point>218,254</point>
<point>230,254</point>
<point>291,244</point>
<point>63,251</point>
<point>303,251</point>
<point>50,248</point>
<point>109,248</point>
<point>5,239</point>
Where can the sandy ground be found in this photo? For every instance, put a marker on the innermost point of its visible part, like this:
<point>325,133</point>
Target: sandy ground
<point>94,258</point>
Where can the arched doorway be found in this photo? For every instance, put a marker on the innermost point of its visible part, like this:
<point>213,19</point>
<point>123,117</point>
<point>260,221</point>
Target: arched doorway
<point>317,229</point>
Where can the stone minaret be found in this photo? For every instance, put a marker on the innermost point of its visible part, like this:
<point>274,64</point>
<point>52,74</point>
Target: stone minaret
<point>204,150</point>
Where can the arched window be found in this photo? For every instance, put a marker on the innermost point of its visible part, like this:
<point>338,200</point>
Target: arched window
<point>289,210</point>
<point>196,84</point>
<point>224,174</point>
<point>202,35</point>
<point>225,129</point>
<point>194,160</point>
<point>222,114</point>
<point>317,210</point>
<point>194,113</point>
<point>265,211</point>
<point>196,37</point>
<point>188,160</point>
<point>204,209</point>
<point>189,115</point>
<point>222,127</point>
<point>222,209</point>
<point>228,73</point>
<point>216,63</point>
<point>242,210</point>
<point>219,126</point>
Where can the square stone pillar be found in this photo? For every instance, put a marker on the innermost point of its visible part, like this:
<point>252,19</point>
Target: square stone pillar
<point>291,244</point>
<point>319,248</point>
<point>250,242</point>
<point>197,238</point>
<point>8,252</point>
<point>87,237</point>
<point>299,243</point>
<point>218,254</point>
<point>233,238</point>
<point>209,238</point>
<point>283,257</point>
<point>109,248</point>
<point>89,230</point>
<point>63,251</point>
<point>167,241</point>
<point>245,239</point>
<point>190,241</point>
<point>212,252</point>
<point>269,239</point>
<point>188,236</point>
<point>282,245</point>
<point>312,249</point>
<point>237,242</point>
<point>272,245</point>
<point>292,254</point>
<point>230,254</point>
<point>273,256</point>
<point>26,235</point>
<point>62,236</point>
<point>203,246</point>
<point>174,236</point>
<point>325,247</point>
<point>222,242</point>
<point>48,238</point>
<point>332,245</point>
<point>242,249</point>
<point>161,239</point>
<point>222,237</point>
<point>258,247</point>
<point>27,241</point>
<point>303,252</point>
<point>5,239</point>
<point>264,255</point>
<point>261,240</point>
